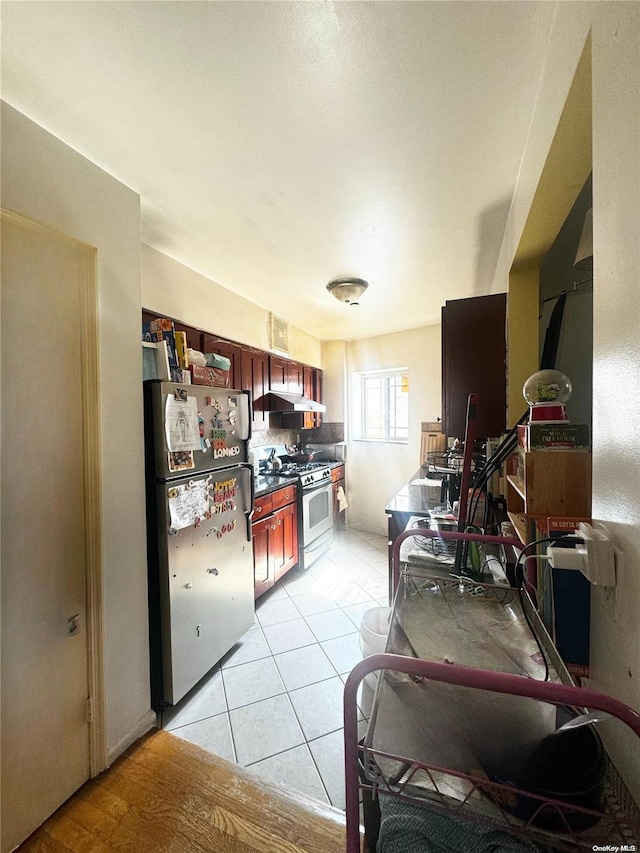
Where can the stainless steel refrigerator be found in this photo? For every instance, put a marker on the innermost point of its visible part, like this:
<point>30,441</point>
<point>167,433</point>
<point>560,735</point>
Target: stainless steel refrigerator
<point>199,505</point>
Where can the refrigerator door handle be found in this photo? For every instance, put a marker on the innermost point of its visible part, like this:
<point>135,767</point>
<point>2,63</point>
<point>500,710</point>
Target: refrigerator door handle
<point>249,515</point>
<point>247,416</point>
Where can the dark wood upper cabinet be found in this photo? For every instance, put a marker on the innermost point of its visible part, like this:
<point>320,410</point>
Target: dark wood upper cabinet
<point>278,376</point>
<point>192,335</point>
<point>295,373</point>
<point>285,375</point>
<point>474,362</point>
<point>255,378</point>
<point>312,388</point>
<point>258,371</point>
<point>212,343</point>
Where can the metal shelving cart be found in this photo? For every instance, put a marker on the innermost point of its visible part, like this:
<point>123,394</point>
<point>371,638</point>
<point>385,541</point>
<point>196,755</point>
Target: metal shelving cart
<point>469,679</point>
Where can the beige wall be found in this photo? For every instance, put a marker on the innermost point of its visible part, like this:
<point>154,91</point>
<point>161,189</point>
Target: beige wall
<point>615,33</point>
<point>334,381</point>
<point>47,181</point>
<point>174,290</point>
<point>523,357</point>
<point>376,470</point>
<point>616,349</point>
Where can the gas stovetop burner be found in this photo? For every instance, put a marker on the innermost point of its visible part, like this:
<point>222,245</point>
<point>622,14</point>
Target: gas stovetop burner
<point>293,469</point>
<point>308,472</point>
<point>300,467</point>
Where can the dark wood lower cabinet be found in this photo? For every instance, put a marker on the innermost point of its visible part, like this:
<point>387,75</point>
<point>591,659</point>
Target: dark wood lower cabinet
<point>285,540</point>
<point>262,565</point>
<point>275,538</point>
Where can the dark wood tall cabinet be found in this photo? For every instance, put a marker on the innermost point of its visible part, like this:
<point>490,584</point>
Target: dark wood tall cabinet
<point>255,378</point>
<point>474,353</point>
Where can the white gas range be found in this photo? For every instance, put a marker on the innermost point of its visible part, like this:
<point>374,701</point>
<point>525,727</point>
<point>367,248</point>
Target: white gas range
<point>315,505</point>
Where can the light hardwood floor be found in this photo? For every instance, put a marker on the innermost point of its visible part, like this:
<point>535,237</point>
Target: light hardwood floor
<point>165,795</point>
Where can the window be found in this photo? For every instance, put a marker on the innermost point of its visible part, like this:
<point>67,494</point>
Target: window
<point>384,405</point>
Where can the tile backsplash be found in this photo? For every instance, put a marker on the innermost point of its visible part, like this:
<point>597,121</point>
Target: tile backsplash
<point>274,436</point>
<point>328,433</point>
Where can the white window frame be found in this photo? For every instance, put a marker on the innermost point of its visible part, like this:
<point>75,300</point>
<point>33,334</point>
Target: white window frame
<point>361,432</point>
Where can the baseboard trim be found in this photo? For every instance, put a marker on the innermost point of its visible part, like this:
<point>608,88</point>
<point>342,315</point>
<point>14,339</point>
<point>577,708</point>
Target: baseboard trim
<point>144,725</point>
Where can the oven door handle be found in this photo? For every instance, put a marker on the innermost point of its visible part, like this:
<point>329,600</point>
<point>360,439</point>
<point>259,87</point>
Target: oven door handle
<point>314,487</point>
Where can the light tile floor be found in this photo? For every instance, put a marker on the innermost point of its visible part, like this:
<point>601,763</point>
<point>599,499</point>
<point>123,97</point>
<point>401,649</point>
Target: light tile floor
<point>274,703</point>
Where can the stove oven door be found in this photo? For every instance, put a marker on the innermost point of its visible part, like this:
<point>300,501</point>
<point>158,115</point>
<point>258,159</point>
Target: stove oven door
<point>317,521</point>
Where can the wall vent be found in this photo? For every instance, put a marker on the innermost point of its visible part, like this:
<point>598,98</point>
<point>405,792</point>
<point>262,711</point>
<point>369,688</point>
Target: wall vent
<point>279,334</point>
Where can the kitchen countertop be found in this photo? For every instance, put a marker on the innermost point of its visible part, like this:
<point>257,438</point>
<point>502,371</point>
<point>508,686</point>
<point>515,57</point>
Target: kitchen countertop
<point>417,496</point>
<point>264,485</point>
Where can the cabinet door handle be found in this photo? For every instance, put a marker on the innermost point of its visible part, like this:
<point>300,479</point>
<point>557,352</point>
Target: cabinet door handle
<point>258,509</point>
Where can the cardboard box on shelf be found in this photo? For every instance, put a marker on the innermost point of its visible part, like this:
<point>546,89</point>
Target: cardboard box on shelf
<point>170,341</point>
<point>161,324</point>
<point>181,350</point>
<point>219,361</point>
<point>557,526</point>
<point>209,376</point>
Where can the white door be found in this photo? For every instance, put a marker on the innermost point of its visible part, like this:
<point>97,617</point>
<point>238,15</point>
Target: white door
<point>45,733</point>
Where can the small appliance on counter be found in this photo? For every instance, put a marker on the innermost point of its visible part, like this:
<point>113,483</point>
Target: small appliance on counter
<point>331,452</point>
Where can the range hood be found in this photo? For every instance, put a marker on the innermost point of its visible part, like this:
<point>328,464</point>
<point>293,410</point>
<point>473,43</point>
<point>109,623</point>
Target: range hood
<point>281,401</point>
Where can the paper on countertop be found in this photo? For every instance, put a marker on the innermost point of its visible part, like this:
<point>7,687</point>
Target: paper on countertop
<point>425,481</point>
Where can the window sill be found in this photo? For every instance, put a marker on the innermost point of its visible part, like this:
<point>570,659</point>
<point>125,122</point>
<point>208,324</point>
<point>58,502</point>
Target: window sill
<point>398,441</point>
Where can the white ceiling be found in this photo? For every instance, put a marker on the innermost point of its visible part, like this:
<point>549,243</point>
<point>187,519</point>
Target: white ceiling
<point>276,145</point>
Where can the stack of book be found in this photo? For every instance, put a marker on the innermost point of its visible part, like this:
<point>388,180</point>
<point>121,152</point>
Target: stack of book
<point>171,362</point>
<point>558,436</point>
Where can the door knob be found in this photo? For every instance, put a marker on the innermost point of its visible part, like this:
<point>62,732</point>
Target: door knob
<point>72,624</point>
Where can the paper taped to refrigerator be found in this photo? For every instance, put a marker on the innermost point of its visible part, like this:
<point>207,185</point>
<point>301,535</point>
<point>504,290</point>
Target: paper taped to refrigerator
<point>188,503</point>
<point>181,424</point>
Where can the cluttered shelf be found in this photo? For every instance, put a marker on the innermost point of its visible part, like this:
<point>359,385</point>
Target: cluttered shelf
<point>518,484</point>
<point>463,735</point>
<point>519,522</point>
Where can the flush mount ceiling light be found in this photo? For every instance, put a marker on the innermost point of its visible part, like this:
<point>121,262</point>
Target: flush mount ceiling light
<point>347,289</point>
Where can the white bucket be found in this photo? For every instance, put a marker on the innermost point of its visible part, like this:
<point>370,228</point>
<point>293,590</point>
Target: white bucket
<point>373,636</point>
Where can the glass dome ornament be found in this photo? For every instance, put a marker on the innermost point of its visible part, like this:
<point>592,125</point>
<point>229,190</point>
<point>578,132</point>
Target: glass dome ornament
<point>546,392</point>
